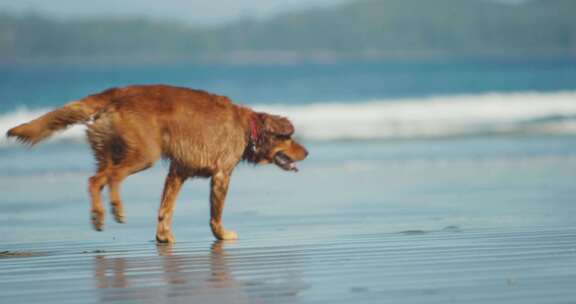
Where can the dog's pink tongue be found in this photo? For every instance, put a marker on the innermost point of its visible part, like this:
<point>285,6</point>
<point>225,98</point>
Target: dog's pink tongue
<point>285,162</point>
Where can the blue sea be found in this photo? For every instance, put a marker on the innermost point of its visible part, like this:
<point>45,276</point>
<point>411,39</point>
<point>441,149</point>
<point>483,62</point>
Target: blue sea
<point>344,101</point>
<point>447,182</point>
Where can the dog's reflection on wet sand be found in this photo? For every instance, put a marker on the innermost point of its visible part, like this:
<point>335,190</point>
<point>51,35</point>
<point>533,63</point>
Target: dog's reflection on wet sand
<point>175,276</point>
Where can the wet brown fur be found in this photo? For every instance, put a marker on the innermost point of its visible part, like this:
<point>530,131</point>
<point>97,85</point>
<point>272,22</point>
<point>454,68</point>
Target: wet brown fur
<point>202,134</point>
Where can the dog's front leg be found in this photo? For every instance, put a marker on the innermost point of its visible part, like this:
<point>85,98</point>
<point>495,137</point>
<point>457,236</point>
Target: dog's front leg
<point>173,184</point>
<point>219,188</point>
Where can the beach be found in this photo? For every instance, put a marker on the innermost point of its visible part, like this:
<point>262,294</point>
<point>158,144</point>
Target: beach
<point>419,151</point>
<point>426,183</point>
<point>476,220</point>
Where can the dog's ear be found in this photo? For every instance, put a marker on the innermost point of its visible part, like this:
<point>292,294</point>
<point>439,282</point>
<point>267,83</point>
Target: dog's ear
<point>278,125</point>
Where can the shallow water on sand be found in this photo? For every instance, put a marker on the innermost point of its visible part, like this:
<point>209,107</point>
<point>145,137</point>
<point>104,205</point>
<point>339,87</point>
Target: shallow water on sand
<point>481,220</point>
<point>478,266</point>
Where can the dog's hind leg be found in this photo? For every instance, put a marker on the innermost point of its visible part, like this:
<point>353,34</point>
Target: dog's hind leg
<point>97,182</point>
<point>116,207</point>
<point>172,187</point>
<point>95,185</point>
<point>135,161</point>
<point>98,137</point>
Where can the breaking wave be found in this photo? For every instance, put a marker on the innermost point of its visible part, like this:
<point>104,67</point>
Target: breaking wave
<point>434,117</point>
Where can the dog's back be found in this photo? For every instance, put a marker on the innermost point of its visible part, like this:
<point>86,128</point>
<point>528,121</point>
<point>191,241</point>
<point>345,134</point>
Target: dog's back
<point>184,125</point>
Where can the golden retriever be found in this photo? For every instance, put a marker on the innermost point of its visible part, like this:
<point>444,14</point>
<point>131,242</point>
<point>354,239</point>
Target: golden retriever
<point>201,134</point>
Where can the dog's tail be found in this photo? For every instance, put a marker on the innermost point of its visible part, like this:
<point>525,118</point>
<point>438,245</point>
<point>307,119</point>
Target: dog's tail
<point>75,112</point>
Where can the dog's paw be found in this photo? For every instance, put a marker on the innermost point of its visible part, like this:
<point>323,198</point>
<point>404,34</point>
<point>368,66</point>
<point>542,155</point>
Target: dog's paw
<point>230,235</point>
<point>227,235</point>
<point>120,219</point>
<point>222,234</point>
<point>118,213</point>
<point>165,238</point>
<point>97,218</point>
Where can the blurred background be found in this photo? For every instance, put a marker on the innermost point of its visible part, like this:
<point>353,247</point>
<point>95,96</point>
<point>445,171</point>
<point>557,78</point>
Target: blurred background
<point>370,67</point>
<point>368,83</point>
<point>374,87</point>
<point>442,139</point>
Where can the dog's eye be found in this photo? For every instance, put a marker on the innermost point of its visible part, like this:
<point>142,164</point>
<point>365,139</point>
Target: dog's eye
<point>282,137</point>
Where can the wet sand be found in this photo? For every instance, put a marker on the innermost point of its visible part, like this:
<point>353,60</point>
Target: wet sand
<point>493,226</point>
<point>482,266</point>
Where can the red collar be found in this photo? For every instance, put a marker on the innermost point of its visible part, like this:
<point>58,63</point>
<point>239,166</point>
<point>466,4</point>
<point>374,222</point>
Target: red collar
<point>253,136</point>
<point>253,131</point>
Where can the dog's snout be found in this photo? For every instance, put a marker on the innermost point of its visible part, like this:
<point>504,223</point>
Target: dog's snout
<point>306,153</point>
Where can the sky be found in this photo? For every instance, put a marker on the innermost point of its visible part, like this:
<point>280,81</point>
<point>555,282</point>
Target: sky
<point>196,12</point>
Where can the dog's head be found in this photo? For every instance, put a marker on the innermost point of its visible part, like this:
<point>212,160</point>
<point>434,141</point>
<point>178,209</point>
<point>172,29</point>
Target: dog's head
<point>273,142</point>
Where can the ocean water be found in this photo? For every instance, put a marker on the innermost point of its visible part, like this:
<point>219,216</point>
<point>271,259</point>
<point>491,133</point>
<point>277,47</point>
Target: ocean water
<point>335,102</point>
<point>426,183</point>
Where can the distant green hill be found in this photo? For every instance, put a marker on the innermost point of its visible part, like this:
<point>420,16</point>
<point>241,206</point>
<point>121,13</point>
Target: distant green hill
<point>361,30</point>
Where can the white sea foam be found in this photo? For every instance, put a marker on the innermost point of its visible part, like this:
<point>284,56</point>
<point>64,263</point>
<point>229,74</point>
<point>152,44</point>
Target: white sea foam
<point>463,115</point>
